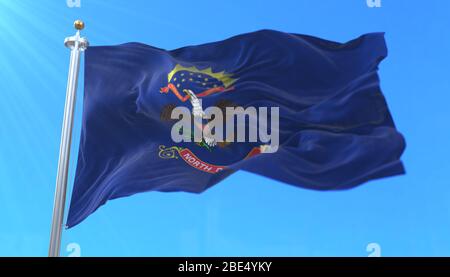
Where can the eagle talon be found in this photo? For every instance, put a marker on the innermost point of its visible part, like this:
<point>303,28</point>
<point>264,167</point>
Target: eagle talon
<point>210,141</point>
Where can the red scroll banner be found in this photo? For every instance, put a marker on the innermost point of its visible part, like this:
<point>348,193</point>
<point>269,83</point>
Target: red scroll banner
<point>194,161</point>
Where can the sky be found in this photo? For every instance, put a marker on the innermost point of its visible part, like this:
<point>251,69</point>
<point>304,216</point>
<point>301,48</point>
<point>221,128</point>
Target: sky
<point>245,215</point>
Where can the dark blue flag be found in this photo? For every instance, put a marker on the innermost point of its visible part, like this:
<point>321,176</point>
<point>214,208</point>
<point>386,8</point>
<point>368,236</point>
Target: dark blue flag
<point>335,129</point>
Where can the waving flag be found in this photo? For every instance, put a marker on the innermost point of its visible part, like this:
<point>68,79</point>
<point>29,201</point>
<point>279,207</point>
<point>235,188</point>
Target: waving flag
<point>335,129</point>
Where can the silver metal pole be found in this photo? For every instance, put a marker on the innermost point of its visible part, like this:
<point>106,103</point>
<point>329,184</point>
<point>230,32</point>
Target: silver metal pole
<point>76,44</point>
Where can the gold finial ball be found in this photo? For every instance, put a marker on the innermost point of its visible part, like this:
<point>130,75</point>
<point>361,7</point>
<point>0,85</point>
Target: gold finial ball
<point>78,24</point>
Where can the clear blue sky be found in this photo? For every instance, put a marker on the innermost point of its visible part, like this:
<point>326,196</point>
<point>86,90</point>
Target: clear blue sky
<point>246,214</point>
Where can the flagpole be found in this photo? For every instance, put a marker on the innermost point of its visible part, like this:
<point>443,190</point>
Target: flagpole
<point>76,44</point>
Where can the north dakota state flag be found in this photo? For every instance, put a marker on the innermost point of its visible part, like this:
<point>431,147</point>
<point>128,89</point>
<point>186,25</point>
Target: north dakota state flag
<point>335,129</point>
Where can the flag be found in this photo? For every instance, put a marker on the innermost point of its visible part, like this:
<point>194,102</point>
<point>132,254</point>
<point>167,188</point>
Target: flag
<point>335,130</point>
